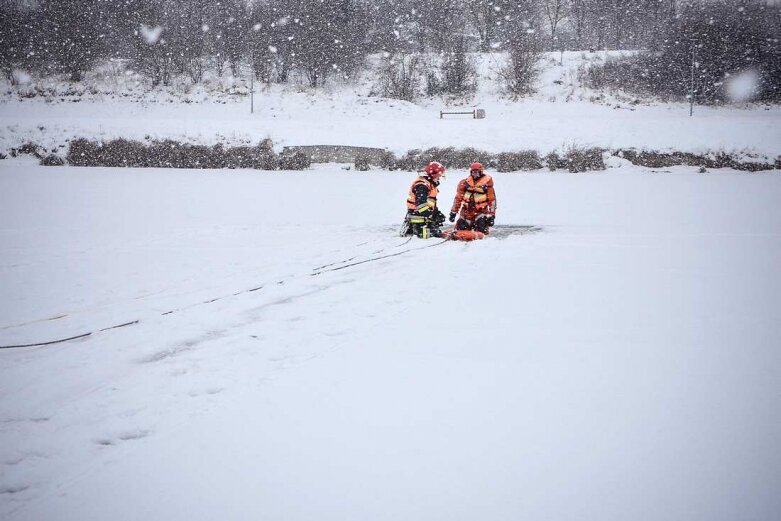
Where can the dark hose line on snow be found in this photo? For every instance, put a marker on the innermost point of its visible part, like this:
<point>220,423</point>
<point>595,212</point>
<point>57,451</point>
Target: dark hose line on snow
<point>61,340</point>
<point>378,258</point>
<point>121,325</point>
<point>315,272</point>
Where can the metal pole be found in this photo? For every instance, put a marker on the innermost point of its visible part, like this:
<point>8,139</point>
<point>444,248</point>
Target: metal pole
<point>252,92</point>
<point>691,89</point>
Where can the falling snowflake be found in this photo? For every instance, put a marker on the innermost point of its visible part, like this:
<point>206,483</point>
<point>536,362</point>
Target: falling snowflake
<point>272,49</point>
<point>256,27</point>
<point>151,34</point>
<point>743,86</point>
<point>21,77</point>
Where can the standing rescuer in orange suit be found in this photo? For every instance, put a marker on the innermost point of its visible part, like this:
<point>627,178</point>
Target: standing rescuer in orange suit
<point>476,199</point>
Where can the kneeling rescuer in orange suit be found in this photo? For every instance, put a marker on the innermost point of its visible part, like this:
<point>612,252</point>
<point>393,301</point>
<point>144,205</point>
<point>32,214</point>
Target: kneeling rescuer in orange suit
<point>476,199</point>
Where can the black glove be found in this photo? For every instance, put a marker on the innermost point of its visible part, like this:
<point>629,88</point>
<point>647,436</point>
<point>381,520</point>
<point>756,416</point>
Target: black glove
<point>452,216</point>
<point>491,220</point>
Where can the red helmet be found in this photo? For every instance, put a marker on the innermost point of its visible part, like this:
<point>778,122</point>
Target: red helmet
<point>435,169</point>
<point>476,166</point>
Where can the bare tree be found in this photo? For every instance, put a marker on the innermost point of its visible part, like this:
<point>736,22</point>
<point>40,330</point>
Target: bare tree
<point>525,53</point>
<point>262,51</point>
<point>229,33</point>
<point>319,38</point>
<point>187,27</point>
<point>620,13</point>
<point>578,15</point>
<point>555,11</point>
<point>152,53</point>
<point>236,34</point>
<point>458,69</point>
<point>16,38</point>
<point>400,77</point>
<point>701,49</point>
<point>70,35</point>
<point>495,20</point>
<point>483,17</point>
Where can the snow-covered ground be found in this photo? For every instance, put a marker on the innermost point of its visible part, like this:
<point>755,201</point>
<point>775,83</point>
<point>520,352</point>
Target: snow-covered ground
<point>620,364</point>
<point>562,113</point>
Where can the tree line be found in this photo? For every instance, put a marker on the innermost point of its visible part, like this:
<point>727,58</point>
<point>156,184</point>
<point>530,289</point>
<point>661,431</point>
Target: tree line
<point>322,39</point>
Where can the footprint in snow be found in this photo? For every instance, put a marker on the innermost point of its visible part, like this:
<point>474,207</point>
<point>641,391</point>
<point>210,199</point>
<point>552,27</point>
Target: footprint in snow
<point>124,436</point>
<point>13,489</point>
<point>209,391</point>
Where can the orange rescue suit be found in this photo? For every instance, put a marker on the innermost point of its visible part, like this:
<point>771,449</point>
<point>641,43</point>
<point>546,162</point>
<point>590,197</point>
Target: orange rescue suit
<point>475,198</point>
<point>418,205</point>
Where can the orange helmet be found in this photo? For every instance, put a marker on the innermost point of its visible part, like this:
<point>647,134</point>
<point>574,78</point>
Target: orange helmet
<point>476,168</point>
<point>435,170</point>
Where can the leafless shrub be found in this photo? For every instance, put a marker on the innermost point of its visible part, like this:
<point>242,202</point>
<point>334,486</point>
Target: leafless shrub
<point>83,152</point>
<point>52,160</point>
<point>170,154</point>
<point>123,152</point>
<point>584,159</point>
<point>260,157</point>
<point>294,161</point>
<point>400,77</point>
<point>362,162</point>
<point>387,160</point>
<point>464,157</point>
<point>520,74</point>
<point>654,159</point>
<point>416,159</point>
<point>455,75</point>
<point>29,148</point>
<point>554,162</point>
<point>409,162</point>
<point>516,161</point>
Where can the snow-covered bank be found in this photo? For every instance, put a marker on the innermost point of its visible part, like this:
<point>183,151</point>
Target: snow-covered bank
<point>562,113</point>
<point>620,365</point>
<point>398,126</point>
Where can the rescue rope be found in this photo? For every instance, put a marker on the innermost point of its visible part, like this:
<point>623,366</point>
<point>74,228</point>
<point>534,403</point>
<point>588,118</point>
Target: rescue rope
<point>61,340</point>
<point>380,257</point>
<point>84,335</point>
<point>320,268</point>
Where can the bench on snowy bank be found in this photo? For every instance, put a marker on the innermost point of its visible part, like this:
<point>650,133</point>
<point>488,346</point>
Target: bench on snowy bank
<point>476,113</point>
